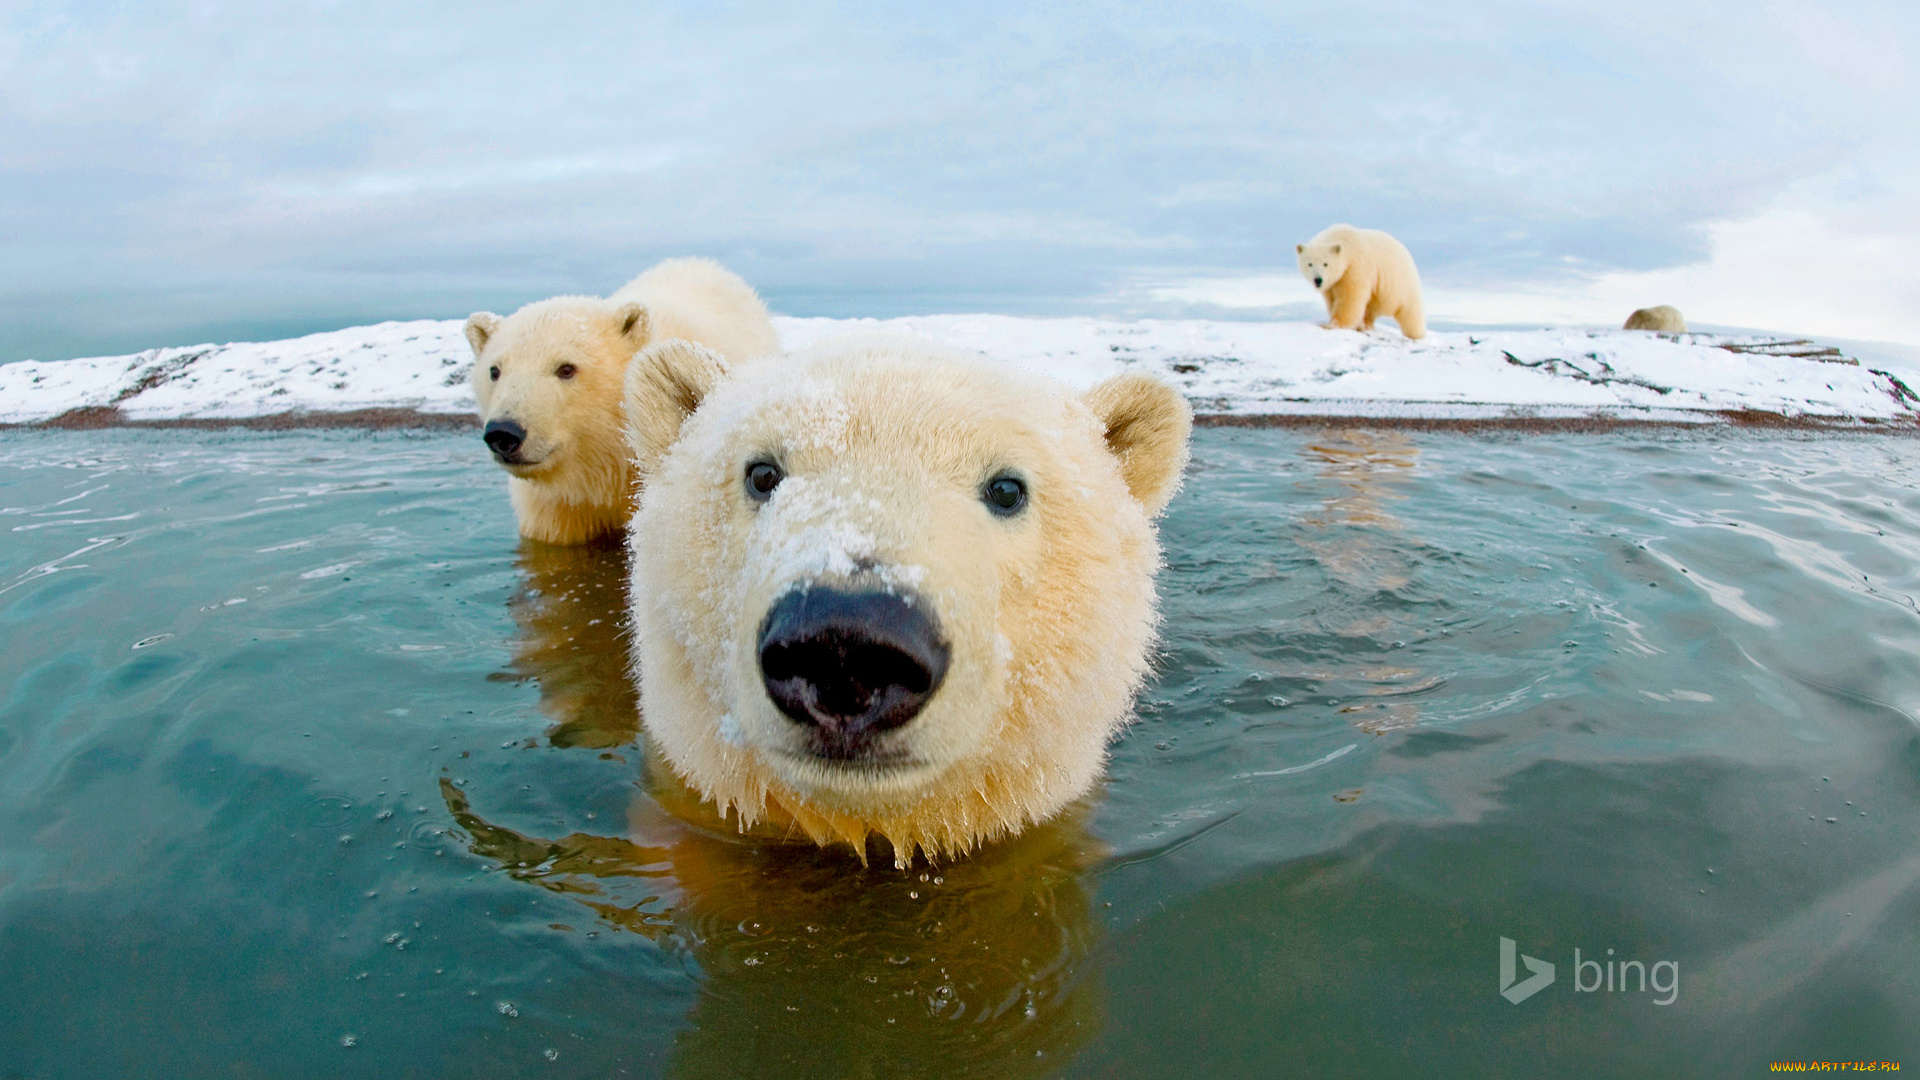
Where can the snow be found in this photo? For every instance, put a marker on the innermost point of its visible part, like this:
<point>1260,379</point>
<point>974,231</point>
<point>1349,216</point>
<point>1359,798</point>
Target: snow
<point>411,365</point>
<point>1225,368</point>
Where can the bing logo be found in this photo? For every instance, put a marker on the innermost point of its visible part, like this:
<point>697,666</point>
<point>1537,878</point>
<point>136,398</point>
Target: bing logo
<point>1612,975</point>
<point>1541,978</point>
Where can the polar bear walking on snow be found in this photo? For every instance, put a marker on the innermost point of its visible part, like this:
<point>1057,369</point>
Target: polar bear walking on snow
<point>548,379</point>
<point>1364,274</point>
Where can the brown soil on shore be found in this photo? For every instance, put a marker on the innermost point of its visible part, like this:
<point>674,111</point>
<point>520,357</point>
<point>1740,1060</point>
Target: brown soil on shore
<point>107,416</point>
<point>412,419</point>
<point>1594,423</point>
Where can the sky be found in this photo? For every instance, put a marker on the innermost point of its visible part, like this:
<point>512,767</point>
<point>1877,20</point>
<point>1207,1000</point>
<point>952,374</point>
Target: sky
<point>173,173</point>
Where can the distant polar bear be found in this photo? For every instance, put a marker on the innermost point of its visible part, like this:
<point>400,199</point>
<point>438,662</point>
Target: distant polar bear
<point>1664,319</point>
<point>1364,274</point>
<point>549,377</point>
<point>890,589</point>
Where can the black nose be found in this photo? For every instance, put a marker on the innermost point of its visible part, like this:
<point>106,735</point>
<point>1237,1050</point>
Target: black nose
<point>504,437</point>
<point>1316,283</point>
<point>850,664</point>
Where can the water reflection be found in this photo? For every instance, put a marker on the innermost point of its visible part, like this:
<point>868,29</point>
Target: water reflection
<point>1366,470</point>
<point>571,612</point>
<point>1364,473</point>
<point>813,964</point>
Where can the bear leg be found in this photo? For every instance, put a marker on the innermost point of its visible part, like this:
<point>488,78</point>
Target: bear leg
<point>1376,307</point>
<point>1349,306</point>
<point>1412,319</point>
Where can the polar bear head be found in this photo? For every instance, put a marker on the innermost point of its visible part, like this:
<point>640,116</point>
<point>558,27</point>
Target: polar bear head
<point>1323,261</point>
<point>548,381</point>
<point>885,588</point>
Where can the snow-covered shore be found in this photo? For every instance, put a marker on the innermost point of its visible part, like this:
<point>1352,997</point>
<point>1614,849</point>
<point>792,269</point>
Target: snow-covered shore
<point>1227,369</point>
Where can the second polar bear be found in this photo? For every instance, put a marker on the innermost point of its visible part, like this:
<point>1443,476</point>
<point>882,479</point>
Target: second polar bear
<point>1665,319</point>
<point>1364,274</point>
<point>548,381</point>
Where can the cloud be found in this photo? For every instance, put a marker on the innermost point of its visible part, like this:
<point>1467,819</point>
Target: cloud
<point>209,166</point>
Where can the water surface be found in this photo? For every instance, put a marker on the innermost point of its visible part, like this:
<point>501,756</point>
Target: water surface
<point>307,768</point>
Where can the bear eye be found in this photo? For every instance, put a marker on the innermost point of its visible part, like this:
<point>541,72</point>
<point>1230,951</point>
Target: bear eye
<point>1004,495</point>
<point>494,372</point>
<point>762,478</point>
<point>565,371</point>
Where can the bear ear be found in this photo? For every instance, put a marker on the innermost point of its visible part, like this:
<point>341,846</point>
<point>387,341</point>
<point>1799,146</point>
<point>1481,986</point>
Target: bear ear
<point>1336,249</point>
<point>665,383</point>
<point>633,323</point>
<point>480,328</point>
<point>1299,249</point>
<point>1147,426</point>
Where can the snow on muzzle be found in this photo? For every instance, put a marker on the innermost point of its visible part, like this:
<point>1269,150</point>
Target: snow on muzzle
<point>850,665</point>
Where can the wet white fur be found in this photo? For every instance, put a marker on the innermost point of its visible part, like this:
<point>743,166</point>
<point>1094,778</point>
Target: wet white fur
<point>886,444</point>
<point>578,484</point>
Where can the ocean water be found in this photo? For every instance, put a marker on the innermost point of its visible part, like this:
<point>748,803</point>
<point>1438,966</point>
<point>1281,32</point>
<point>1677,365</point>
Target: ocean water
<point>309,769</point>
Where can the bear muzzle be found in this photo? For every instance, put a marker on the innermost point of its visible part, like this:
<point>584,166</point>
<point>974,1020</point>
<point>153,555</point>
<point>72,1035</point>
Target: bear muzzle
<point>504,438</point>
<point>850,665</point>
